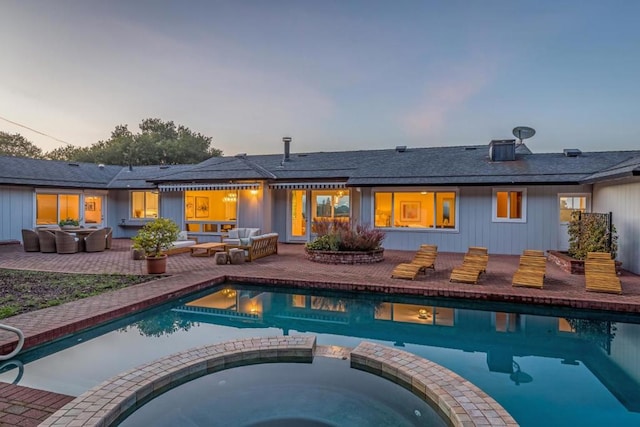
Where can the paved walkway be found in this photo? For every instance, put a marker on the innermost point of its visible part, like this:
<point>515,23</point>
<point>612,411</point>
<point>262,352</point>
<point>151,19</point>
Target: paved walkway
<point>188,274</point>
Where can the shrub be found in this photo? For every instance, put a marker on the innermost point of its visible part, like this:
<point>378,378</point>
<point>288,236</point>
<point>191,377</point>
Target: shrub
<point>156,236</point>
<point>335,235</point>
<point>69,221</point>
<point>590,233</point>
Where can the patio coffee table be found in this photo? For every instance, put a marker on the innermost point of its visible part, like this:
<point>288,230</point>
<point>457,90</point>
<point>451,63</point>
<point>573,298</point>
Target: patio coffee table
<point>207,249</point>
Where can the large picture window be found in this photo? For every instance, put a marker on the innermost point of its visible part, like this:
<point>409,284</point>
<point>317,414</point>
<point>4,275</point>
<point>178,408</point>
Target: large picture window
<point>144,204</point>
<point>510,205</point>
<point>415,209</point>
<point>52,208</point>
<point>210,211</point>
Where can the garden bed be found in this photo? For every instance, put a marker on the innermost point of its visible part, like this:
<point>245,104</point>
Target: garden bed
<point>344,257</point>
<point>572,265</point>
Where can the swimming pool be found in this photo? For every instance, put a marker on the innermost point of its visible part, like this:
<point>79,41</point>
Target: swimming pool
<point>572,368</point>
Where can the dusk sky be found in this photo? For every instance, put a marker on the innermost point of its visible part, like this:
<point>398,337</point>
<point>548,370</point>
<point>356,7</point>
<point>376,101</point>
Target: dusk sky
<point>333,75</point>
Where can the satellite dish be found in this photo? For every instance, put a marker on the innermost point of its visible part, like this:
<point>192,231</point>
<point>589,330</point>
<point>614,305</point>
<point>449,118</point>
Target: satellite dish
<point>523,132</point>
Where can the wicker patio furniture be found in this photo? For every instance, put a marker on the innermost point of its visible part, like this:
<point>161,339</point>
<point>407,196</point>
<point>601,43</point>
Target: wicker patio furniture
<point>96,241</point>
<point>47,241</point>
<point>66,243</point>
<point>30,240</point>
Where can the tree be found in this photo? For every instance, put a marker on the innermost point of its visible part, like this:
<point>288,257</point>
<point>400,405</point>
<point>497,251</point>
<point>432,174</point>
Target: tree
<point>17,145</point>
<point>157,143</point>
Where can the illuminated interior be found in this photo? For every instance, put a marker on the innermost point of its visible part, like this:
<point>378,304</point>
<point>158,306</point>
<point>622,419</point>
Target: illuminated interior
<point>52,208</point>
<point>326,205</point>
<point>211,210</point>
<point>424,209</point>
<point>144,204</point>
<point>509,204</point>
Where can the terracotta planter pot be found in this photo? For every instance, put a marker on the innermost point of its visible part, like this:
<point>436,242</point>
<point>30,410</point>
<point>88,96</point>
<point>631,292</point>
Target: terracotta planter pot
<point>157,265</point>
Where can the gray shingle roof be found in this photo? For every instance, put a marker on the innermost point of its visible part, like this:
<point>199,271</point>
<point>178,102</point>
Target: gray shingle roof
<point>462,165</point>
<point>51,173</point>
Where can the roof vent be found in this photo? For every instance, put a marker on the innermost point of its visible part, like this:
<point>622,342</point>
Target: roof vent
<point>401,148</point>
<point>502,150</point>
<point>74,164</point>
<point>241,155</point>
<point>571,152</point>
<point>164,166</point>
<point>101,165</point>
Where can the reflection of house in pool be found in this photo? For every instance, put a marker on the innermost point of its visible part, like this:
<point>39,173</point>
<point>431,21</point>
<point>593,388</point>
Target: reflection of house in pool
<point>602,346</point>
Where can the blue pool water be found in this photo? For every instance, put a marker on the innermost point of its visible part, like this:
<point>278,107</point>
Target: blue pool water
<point>552,368</point>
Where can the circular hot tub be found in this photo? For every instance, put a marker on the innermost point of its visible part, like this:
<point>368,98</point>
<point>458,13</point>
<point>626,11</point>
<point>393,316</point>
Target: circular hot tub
<point>327,392</point>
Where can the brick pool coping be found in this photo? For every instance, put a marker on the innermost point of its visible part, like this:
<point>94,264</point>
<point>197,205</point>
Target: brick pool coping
<point>458,401</point>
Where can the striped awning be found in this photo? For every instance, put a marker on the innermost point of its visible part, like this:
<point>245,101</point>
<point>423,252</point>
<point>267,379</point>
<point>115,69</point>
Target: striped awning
<point>306,185</point>
<point>195,187</point>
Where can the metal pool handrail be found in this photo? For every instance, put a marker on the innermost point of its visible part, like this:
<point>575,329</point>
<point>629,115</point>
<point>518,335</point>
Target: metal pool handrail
<point>20,341</point>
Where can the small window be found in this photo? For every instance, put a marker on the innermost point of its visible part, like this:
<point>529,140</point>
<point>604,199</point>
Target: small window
<point>144,204</point>
<point>509,205</point>
<point>571,203</point>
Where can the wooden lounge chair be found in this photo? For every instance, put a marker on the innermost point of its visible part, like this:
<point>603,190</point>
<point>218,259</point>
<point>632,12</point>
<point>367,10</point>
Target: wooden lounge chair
<point>30,241</point>
<point>96,241</point>
<point>424,258</point>
<point>66,243</point>
<point>600,273</point>
<point>406,270</point>
<point>531,271</point>
<point>533,252</point>
<point>47,241</point>
<point>474,263</point>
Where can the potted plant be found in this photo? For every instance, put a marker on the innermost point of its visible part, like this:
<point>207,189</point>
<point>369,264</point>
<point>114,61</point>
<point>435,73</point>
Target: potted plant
<point>68,223</point>
<point>153,239</point>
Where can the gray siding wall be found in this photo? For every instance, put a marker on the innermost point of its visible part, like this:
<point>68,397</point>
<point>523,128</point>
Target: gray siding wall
<point>279,213</point>
<point>622,199</point>
<point>172,206</point>
<point>17,211</point>
<point>117,211</point>
<point>475,226</point>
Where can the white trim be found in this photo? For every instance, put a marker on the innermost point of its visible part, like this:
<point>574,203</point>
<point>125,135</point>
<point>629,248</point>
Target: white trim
<point>307,185</point>
<point>196,187</point>
<point>58,191</point>
<point>494,204</point>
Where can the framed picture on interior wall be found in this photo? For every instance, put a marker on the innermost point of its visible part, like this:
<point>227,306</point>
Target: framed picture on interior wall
<point>410,211</point>
<point>90,206</point>
<point>190,207</point>
<point>202,207</point>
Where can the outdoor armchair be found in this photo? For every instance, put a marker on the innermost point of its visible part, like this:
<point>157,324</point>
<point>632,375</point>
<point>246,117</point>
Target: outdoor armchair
<point>96,241</point>
<point>66,243</point>
<point>30,241</point>
<point>47,241</point>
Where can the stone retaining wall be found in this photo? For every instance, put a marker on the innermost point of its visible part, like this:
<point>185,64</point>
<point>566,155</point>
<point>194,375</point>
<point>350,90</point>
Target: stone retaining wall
<point>344,257</point>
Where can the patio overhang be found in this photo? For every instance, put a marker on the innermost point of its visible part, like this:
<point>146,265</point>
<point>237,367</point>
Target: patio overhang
<point>210,186</point>
<point>306,185</point>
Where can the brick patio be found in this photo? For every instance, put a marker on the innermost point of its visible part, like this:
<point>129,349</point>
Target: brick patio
<point>188,274</point>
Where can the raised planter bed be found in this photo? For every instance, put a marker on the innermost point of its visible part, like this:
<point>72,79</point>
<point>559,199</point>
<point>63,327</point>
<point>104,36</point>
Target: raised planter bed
<point>572,265</point>
<point>344,257</point>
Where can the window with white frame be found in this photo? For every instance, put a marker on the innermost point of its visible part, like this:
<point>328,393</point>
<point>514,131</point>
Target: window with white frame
<point>568,203</point>
<point>509,205</point>
<point>426,209</point>
<point>144,204</point>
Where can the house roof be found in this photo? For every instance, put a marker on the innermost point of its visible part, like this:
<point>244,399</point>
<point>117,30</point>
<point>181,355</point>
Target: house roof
<point>52,173</point>
<point>460,165</point>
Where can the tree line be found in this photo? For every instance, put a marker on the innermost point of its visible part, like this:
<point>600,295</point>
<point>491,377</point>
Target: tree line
<point>156,143</point>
